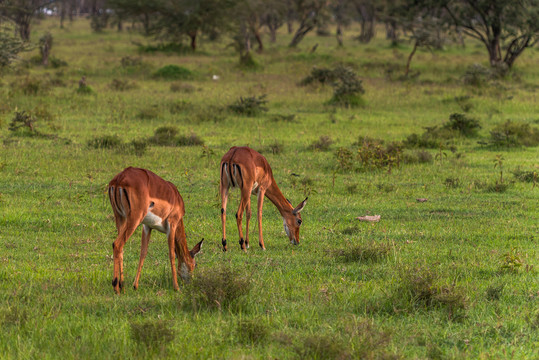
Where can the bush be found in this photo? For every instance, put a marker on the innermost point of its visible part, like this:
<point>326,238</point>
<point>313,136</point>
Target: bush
<point>319,75</point>
<point>373,154</point>
<point>217,289</point>
<point>122,85</point>
<point>464,125</point>
<point>347,88</point>
<point>164,136</point>
<point>514,134</point>
<point>173,72</point>
<point>323,143</point>
<point>249,106</point>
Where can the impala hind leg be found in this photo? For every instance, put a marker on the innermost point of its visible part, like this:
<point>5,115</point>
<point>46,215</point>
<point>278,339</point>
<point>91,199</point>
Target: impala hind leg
<point>146,232</point>
<point>124,233</point>
<point>239,218</point>
<point>260,202</point>
<point>224,200</point>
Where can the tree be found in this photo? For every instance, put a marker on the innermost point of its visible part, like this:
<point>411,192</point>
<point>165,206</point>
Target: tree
<point>367,15</point>
<point>309,13</point>
<point>21,13</point>
<point>512,25</point>
<point>10,46</point>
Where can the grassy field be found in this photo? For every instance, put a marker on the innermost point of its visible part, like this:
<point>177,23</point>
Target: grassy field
<point>452,277</point>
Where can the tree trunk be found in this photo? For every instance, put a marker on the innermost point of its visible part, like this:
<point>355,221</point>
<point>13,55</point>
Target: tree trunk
<point>339,35</point>
<point>410,59</point>
<point>300,34</point>
<point>391,32</point>
<point>258,38</point>
<point>24,30</point>
<point>193,37</point>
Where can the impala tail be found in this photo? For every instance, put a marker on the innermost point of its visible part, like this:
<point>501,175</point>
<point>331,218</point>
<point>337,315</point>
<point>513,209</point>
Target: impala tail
<point>119,199</point>
<point>231,175</point>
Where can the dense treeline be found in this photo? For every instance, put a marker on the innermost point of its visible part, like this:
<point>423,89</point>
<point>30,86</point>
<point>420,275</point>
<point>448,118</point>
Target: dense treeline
<point>506,28</point>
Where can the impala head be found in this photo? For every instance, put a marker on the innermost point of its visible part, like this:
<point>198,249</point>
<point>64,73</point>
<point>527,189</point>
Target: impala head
<point>187,267</point>
<point>292,223</point>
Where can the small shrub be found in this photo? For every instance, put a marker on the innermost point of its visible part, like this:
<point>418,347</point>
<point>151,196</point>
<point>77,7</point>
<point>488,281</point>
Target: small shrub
<point>347,88</point>
<point>417,157</point>
<point>345,159</point>
<point>152,333</point>
<point>84,89</point>
<point>164,136</point>
<point>184,88</point>
<point>189,140</point>
<point>249,106</point>
<point>514,134</point>
<point>149,112</point>
<point>323,143</point>
<point>476,75</point>
<point>217,289</point>
<point>464,125</point>
<point>372,154</point>
<point>321,347</point>
<point>319,75</point>
<point>56,63</point>
<point>494,292</point>
<point>138,147</point>
<point>284,118</point>
<point>173,72</point>
<point>31,86</point>
<point>370,252</point>
<point>105,142</point>
<point>251,331</point>
<point>122,85</point>
<point>511,261</point>
<point>22,121</point>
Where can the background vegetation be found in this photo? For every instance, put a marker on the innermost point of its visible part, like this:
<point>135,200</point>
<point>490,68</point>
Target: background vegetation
<point>447,156</point>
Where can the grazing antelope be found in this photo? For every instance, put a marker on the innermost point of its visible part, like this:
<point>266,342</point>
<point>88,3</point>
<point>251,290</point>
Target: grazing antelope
<point>249,171</point>
<point>138,196</point>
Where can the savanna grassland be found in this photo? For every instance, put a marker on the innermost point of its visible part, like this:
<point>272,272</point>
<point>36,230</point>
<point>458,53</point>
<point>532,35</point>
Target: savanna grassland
<point>453,277</point>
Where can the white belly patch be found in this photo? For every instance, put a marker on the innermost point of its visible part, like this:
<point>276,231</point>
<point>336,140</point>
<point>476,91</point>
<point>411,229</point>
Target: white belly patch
<point>155,222</point>
<point>254,190</point>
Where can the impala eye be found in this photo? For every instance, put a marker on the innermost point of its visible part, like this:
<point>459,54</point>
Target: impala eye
<point>299,221</point>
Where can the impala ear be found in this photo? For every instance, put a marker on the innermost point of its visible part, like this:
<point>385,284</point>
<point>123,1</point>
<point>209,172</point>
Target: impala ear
<point>195,250</point>
<point>300,206</point>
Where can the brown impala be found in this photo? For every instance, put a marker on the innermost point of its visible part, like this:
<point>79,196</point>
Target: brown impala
<point>137,197</point>
<point>249,171</point>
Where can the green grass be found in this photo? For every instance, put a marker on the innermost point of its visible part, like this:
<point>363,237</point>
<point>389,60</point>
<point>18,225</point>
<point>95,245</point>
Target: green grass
<point>453,277</point>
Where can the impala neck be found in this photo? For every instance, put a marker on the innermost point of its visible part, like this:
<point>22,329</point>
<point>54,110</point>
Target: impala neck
<point>274,194</point>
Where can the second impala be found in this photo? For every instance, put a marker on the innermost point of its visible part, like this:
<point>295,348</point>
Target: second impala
<point>248,170</point>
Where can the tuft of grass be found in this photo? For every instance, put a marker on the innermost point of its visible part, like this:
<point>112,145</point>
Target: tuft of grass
<point>152,333</point>
<point>319,347</point>
<point>252,331</point>
<point>220,288</point>
<point>164,136</point>
<point>370,252</point>
<point>189,140</point>
<point>173,72</point>
<point>105,142</point>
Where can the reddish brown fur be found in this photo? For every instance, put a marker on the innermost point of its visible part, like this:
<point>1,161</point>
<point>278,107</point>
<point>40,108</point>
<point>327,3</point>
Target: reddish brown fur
<point>254,168</point>
<point>131,194</point>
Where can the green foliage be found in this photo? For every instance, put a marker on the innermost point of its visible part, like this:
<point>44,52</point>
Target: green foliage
<point>464,125</point>
<point>173,72</point>
<point>22,121</point>
<point>10,47</point>
<point>511,261</point>
<point>221,288</point>
<point>319,76</point>
<point>347,88</point>
<point>249,106</point>
<point>514,134</point>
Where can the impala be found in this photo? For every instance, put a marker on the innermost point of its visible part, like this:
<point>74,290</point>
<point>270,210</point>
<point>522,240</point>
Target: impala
<point>138,196</point>
<point>248,170</point>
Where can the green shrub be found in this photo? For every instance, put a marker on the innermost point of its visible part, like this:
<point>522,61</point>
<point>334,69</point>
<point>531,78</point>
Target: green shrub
<point>464,125</point>
<point>322,144</point>
<point>347,88</point>
<point>249,106</point>
<point>173,72</point>
<point>22,121</point>
<point>164,136</point>
<point>514,134</point>
<point>319,75</point>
